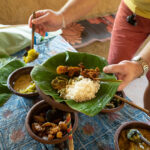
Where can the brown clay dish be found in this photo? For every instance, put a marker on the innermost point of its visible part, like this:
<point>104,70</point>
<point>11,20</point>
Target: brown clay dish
<point>37,108</point>
<point>120,93</point>
<point>128,125</point>
<point>15,75</point>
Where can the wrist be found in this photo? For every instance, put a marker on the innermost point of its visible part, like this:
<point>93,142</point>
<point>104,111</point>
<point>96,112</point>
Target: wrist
<point>138,69</point>
<point>143,65</point>
<point>62,20</point>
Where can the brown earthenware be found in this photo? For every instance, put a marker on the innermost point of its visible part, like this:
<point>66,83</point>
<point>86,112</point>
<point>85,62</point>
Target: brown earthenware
<point>52,102</point>
<point>15,75</point>
<point>128,125</point>
<point>37,108</point>
<point>116,108</point>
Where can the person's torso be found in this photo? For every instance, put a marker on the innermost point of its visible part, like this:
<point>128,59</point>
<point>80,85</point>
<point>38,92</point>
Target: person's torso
<point>140,7</point>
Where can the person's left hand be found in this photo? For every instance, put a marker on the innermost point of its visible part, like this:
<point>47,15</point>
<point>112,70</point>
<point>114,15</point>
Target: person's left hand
<point>125,71</point>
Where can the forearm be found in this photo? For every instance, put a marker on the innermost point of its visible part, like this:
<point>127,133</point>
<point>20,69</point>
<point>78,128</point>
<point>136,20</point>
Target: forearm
<point>74,9</point>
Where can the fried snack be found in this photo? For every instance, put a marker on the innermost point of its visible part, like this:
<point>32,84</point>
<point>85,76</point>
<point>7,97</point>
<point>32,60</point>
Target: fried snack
<point>62,69</point>
<point>68,70</point>
<point>49,124</point>
<point>73,71</point>
<point>48,130</point>
<point>50,136</point>
<point>90,73</point>
<point>63,125</point>
<point>59,135</point>
<point>37,127</point>
<point>54,130</point>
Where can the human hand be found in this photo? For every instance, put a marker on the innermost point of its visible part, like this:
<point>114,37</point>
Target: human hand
<point>46,21</point>
<point>125,71</point>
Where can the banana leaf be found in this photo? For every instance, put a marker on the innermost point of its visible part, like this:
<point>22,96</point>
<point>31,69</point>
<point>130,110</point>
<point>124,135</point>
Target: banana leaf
<point>7,66</point>
<point>45,73</point>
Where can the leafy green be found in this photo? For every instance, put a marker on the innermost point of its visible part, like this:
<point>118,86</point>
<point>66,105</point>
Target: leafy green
<point>45,73</point>
<point>7,66</point>
<point>4,94</point>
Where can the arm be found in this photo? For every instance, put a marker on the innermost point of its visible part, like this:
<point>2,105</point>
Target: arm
<point>75,9</point>
<point>145,53</point>
<point>49,20</point>
<point>129,70</point>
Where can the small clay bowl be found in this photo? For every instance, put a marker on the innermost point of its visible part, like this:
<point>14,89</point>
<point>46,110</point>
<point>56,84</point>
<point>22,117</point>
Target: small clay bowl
<point>15,75</point>
<point>62,106</point>
<point>128,125</point>
<point>120,93</point>
<point>39,107</point>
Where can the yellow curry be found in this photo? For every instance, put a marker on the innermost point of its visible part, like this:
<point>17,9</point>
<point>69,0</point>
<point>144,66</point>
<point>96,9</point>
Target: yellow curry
<point>24,84</point>
<point>125,144</point>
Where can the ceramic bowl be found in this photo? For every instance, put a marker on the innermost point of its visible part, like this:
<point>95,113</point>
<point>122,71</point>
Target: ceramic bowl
<point>15,75</point>
<point>120,93</point>
<point>128,125</point>
<point>38,108</point>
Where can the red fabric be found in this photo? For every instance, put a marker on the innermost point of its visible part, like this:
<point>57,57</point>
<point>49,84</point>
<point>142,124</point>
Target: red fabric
<point>126,38</point>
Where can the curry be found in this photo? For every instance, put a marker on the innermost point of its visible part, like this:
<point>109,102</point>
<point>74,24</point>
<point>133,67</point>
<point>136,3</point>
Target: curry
<point>24,84</point>
<point>126,144</point>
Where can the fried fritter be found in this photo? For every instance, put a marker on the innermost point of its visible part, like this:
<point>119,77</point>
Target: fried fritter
<point>90,73</point>
<point>62,69</point>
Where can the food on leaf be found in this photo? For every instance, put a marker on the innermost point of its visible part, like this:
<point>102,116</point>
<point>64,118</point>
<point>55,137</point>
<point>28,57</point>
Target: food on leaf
<point>44,74</point>
<point>72,71</point>
<point>82,85</point>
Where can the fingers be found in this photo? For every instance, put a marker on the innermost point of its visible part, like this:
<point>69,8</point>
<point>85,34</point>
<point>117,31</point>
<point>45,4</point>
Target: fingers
<point>122,71</point>
<point>113,68</point>
<point>41,19</point>
<point>38,14</point>
<point>30,21</point>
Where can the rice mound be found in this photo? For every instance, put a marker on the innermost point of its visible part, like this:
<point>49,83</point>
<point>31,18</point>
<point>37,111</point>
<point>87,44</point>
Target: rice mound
<point>81,89</point>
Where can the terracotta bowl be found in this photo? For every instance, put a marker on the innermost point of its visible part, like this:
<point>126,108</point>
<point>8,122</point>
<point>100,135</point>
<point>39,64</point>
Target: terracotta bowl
<point>52,102</point>
<point>120,93</point>
<point>39,107</point>
<point>15,75</point>
<point>128,125</point>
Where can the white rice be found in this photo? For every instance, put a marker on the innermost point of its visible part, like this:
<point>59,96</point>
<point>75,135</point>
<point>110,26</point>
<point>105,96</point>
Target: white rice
<point>81,89</point>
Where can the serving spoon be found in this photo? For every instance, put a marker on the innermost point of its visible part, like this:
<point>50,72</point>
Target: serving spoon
<point>136,136</point>
<point>32,40</point>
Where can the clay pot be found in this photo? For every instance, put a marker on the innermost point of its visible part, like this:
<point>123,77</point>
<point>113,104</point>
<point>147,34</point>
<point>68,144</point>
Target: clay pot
<point>120,93</point>
<point>39,107</point>
<point>15,75</point>
<point>128,125</point>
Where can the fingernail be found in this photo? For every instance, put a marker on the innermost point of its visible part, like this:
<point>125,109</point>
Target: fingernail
<point>105,69</point>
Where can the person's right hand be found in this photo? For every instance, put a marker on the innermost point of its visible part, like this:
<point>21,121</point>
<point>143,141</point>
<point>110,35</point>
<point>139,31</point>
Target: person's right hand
<point>125,71</point>
<point>46,21</point>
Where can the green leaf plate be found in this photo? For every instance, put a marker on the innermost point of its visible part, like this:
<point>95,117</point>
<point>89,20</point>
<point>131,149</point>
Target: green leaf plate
<point>45,73</point>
